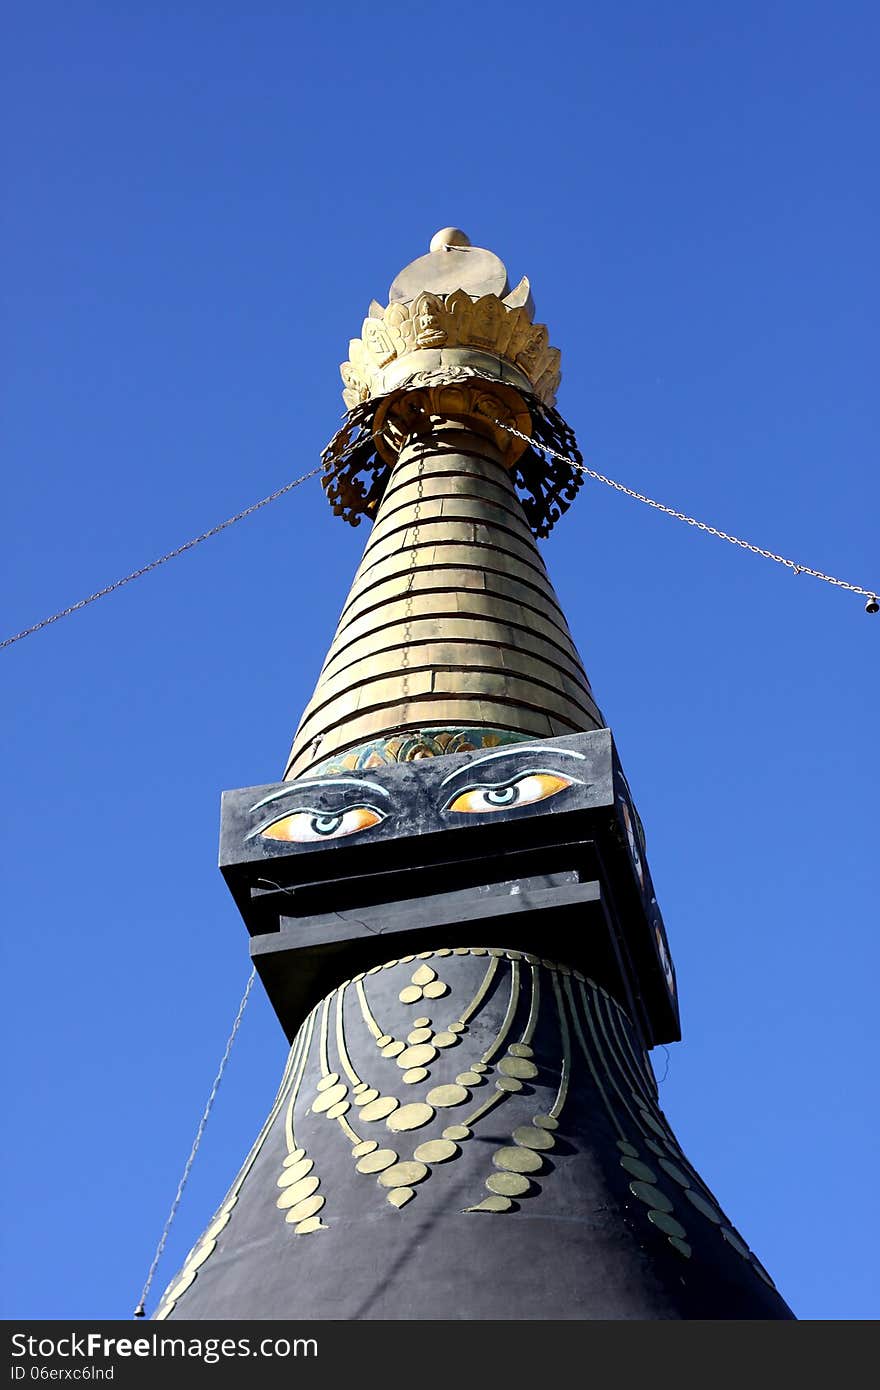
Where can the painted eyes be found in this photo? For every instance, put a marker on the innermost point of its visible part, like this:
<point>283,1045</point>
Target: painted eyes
<point>535,786</point>
<point>307,827</point>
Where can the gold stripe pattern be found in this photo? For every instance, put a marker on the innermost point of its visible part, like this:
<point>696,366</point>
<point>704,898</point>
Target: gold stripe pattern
<point>386,671</point>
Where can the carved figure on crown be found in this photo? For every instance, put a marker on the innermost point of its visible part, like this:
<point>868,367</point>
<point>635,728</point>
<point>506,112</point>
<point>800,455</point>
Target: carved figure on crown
<point>356,389</point>
<point>430,321</point>
<point>459,310</point>
<point>401,327</point>
<point>489,324</point>
<point>530,357</point>
<point>377,343</point>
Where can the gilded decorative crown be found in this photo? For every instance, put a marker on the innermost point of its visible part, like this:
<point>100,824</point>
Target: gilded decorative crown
<point>447,309</point>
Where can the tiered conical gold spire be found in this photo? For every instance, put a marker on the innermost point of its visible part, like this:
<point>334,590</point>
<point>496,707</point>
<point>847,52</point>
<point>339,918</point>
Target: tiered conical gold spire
<point>452,636</point>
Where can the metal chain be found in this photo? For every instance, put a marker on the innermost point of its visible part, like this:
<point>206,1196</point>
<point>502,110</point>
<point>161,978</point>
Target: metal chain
<point>154,564</point>
<point>139,1311</point>
<point>870,594</point>
<point>691,521</point>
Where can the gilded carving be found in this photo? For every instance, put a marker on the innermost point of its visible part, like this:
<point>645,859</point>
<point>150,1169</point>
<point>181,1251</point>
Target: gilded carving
<point>358,460</point>
<point>500,327</point>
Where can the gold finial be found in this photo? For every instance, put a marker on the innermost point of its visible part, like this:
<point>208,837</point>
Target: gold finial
<point>447,238</point>
<point>452,310</point>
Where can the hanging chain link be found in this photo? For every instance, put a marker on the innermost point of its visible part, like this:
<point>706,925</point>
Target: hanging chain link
<point>140,1310</point>
<point>870,594</point>
<point>690,520</point>
<point>163,559</point>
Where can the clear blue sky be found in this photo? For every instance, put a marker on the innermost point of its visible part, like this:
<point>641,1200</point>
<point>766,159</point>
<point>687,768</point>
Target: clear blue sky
<point>204,199</point>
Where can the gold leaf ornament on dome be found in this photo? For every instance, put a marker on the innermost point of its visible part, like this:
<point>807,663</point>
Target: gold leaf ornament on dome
<point>437,322</point>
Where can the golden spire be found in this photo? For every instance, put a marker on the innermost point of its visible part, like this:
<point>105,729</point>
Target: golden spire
<point>452,636</point>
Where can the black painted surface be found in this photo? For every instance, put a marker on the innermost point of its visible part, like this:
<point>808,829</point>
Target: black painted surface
<point>579,1245</point>
<point>422,850</point>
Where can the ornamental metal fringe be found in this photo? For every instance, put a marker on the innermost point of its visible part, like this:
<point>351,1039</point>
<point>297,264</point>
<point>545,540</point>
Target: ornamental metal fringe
<point>356,475</point>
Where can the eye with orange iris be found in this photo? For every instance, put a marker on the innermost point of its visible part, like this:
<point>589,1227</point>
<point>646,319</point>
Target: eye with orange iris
<point>308,827</point>
<point>535,786</point>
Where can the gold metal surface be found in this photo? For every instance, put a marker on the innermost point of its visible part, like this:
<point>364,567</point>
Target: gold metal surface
<point>366,1146</point>
<point>507,1022</point>
<point>305,1228</point>
<point>483,1109</point>
<point>295,1172</point>
<point>416,1056</point>
<point>445,1038</point>
<point>397,339</point>
<point>637,1169</point>
<point>517,1160</point>
<point>376,1161</point>
<point>405,1174</point>
<point>667,1224</point>
<point>379,1109</point>
<point>650,1195</point>
<point>300,1050</point>
<point>436,1151</point>
<point>325,1024</point>
<point>492,1204</point>
<point>458,1133</point>
<point>340,1041</point>
<point>445,1096</point>
<point>287,1091</point>
<point>410,994</point>
<point>391,666</point>
<point>326,1099</point>
<point>519,1067</point>
<point>399,1196</point>
<point>528,1137</point>
<point>411,1116</point>
<point>175,1290</point>
<point>419,1035</point>
<point>565,1042</point>
<point>588,1054</point>
<point>508,1184</point>
<point>483,989</point>
<point>304,1188</point>
<point>708,1209</point>
<point>366,1012</point>
<point>424,975</point>
<point>414,1075</point>
<point>435,990</point>
<point>674,1172</point>
<point>308,1207</point>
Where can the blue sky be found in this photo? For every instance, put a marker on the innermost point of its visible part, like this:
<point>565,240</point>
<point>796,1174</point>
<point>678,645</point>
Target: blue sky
<point>204,200</point>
